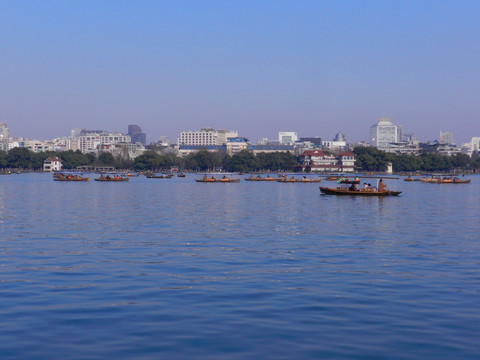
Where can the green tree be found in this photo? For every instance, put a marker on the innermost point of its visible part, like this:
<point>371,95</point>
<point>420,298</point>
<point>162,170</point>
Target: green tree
<point>203,160</point>
<point>73,159</point>
<point>3,159</point>
<point>20,158</point>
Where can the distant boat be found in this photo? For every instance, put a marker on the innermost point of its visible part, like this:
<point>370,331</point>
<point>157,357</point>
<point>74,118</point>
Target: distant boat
<point>410,179</point>
<point>113,178</point>
<point>445,180</point>
<point>69,176</point>
<point>303,180</point>
<point>151,175</point>
<point>213,179</point>
<point>360,192</point>
<point>259,178</point>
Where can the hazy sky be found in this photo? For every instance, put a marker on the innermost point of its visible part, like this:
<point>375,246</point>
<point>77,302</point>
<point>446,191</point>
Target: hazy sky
<point>259,67</point>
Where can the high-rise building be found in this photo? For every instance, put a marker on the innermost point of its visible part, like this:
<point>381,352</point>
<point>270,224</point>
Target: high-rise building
<point>136,134</point>
<point>4,136</point>
<point>4,132</point>
<point>446,138</point>
<point>384,133</point>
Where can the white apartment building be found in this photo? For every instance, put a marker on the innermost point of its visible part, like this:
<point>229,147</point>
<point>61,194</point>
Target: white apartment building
<point>287,137</point>
<point>39,145</point>
<point>88,140</point>
<point>384,133</point>
<point>206,137</point>
<point>52,164</point>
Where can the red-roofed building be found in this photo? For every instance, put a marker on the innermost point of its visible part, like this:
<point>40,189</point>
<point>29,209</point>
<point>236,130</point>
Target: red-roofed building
<point>52,164</point>
<point>319,161</point>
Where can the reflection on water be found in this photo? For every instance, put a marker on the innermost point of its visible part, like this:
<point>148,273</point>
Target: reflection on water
<point>174,269</point>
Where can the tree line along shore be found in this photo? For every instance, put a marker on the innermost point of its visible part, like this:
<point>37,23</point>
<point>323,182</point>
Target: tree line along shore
<point>367,159</point>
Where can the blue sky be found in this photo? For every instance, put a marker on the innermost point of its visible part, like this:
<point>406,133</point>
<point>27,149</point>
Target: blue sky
<point>259,67</point>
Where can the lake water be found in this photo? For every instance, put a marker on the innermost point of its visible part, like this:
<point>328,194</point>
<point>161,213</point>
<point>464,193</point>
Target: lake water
<point>174,269</point>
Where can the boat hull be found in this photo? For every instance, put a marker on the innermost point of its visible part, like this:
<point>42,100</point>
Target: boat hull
<point>218,181</point>
<point>429,181</point>
<point>308,181</point>
<point>361,192</point>
<point>113,180</point>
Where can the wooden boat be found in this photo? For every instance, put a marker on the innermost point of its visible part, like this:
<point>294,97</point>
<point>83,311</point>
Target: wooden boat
<point>69,177</point>
<point>410,179</point>
<point>206,179</point>
<point>259,178</point>
<point>331,178</point>
<point>445,180</point>
<point>304,180</point>
<point>115,178</point>
<point>162,176</point>
<point>360,192</point>
<point>181,174</point>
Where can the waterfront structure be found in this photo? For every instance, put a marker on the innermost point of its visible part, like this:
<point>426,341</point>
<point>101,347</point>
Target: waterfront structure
<point>346,159</point>
<point>136,134</point>
<point>52,164</point>
<point>384,133</point>
<point>287,137</point>
<point>319,161</point>
<point>206,137</point>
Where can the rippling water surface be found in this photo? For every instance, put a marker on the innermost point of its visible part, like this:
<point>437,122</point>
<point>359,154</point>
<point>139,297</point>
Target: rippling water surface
<point>174,269</point>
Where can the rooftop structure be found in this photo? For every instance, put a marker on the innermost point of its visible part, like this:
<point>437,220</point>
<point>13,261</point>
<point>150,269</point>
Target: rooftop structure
<point>287,137</point>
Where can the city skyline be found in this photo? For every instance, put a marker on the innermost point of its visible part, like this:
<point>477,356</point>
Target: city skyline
<point>315,68</point>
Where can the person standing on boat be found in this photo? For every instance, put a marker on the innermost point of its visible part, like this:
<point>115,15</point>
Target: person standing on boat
<point>381,186</point>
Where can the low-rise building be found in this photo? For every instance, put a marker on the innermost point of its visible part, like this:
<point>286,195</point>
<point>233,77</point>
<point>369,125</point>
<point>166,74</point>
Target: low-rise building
<point>236,144</point>
<point>319,161</point>
<point>256,149</point>
<point>52,164</point>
